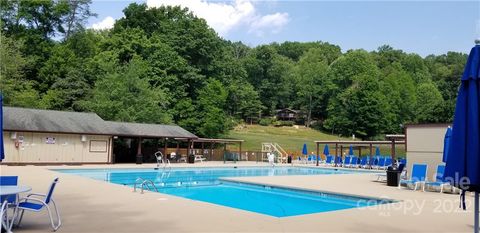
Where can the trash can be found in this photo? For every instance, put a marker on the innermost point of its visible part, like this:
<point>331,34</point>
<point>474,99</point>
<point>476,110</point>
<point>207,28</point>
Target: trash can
<point>191,158</point>
<point>289,159</point>
<point>393,177</point>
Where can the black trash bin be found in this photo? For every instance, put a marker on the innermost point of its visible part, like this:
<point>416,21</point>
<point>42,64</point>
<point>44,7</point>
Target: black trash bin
<point>289,159</point>
<point>191,158</point>
<point>393,177</point>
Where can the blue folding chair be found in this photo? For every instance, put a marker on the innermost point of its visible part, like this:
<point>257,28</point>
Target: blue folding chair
<point>7,201</point>
<point>8,180</point>
<point>418,176</point>
<point>37,204</point>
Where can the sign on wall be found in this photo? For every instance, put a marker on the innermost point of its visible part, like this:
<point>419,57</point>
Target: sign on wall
<point>50,140</point>
<point>98,146</point>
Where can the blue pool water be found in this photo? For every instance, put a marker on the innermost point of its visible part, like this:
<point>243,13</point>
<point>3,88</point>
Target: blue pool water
<point>206,184</point>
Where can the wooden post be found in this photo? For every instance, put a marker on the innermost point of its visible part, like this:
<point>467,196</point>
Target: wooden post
<point>393,149</point>
<point>336,153</point>
<point>318,153</point>
<point>224,150</point>
<point>165,147</point>
<point>203,149</point>
<point>178,147</point>
<point>341,155</point>
<point>211,150</point>
<point>139,157</point>
<point>240,153</point>
<point>371,156</point>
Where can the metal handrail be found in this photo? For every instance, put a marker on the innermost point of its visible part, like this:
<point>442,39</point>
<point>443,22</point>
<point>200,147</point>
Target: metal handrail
<point>137,181</point>
<point>146,183</point>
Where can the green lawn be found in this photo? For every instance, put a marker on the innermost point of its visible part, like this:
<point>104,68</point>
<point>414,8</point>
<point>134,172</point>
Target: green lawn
<point>290,138</point>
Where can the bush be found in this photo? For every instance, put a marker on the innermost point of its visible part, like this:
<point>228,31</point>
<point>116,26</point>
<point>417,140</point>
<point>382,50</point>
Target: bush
<point>287,123</point>
<point>265,121</point>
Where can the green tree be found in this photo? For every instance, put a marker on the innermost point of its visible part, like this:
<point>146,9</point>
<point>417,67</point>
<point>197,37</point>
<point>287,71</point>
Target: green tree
<point>125,95</point>
<point>359,110</point>
<point>429,109</point>
<point>211,102</point>
<point>16,90</point>
<point>313,85</point>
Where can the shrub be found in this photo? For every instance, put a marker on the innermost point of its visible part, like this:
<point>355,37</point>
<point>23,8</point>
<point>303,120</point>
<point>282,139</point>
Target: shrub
<point>265,121</point>
<point>287,123</point>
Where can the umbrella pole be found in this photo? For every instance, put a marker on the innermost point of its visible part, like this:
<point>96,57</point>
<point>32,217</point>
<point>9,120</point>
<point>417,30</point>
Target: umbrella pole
<point>475,227</point>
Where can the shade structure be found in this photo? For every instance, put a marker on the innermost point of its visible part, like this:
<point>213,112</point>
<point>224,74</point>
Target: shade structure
<point>2,149</point>
<point>463,162</point>
<point>350,151</point>
<point>326,151</point>
<point>377,151</point>
<point>446,144</point>
<point>304,150</point>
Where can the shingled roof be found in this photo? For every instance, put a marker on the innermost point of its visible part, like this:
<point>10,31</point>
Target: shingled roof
<point>149,130</point>
<point>38,120</point>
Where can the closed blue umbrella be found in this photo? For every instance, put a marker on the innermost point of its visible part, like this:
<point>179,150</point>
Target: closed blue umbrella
<point>2,151</point>
<point>377,151</point>
<point>326,151</point>
<point>446,144</point>
<point>350,151</point>
<point>304,150</point>
<point>464,151</point>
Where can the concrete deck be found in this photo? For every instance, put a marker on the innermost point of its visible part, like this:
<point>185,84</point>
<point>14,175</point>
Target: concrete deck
<point>88,205</point>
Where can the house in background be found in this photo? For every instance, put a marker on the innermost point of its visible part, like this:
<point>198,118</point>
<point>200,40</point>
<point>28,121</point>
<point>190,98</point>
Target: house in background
<point>287,114</point>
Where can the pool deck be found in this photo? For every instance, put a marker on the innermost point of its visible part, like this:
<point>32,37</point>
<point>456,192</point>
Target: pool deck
<point>88,205</point>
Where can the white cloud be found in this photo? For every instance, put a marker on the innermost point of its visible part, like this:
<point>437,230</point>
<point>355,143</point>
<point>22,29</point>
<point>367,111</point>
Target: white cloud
<point>224,16</point>
<point>106,23</point>
<point>273,22</point>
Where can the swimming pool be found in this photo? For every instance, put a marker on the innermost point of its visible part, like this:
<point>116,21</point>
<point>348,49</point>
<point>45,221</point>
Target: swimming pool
<point>206,184</point>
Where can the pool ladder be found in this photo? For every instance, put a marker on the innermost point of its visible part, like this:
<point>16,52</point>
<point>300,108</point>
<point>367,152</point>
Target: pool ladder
<point>144,183</point>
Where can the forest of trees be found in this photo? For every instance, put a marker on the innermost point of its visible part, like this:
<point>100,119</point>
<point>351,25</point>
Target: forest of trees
<point>164,65</point>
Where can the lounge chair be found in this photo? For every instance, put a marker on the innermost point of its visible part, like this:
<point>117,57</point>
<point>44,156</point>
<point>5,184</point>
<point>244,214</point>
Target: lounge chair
<point>354,162</point>
<point>199,158</point>
<point>418,176</point>
<point>439,181</point>
<point>388,162</point>
<point>37,204</point>
<point>381,163</point>
<point>329,160</point>
<point>346,163</point>
<point>383,176</point>
<point>364,162</point>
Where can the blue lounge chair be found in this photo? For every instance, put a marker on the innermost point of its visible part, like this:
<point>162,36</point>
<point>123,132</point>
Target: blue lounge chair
<point>439,181</point>
<point>364,162</point>
<point>419,176</point>
<point>388,162</point>
<point>354,162</point>
<point>338,160</point>
<point>381,163</point>
<point>329,159</point>
<point>36,205</point>
<point>346,163</point>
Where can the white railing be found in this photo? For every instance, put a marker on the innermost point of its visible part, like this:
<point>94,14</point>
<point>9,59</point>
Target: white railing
<point>276,149</point>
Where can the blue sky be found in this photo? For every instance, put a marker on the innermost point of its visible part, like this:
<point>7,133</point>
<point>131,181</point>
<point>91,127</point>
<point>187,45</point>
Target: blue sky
<point>423,27</point>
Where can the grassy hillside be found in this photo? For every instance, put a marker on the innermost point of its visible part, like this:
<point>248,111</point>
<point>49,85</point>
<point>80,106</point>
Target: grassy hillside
<point>290,138</point>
